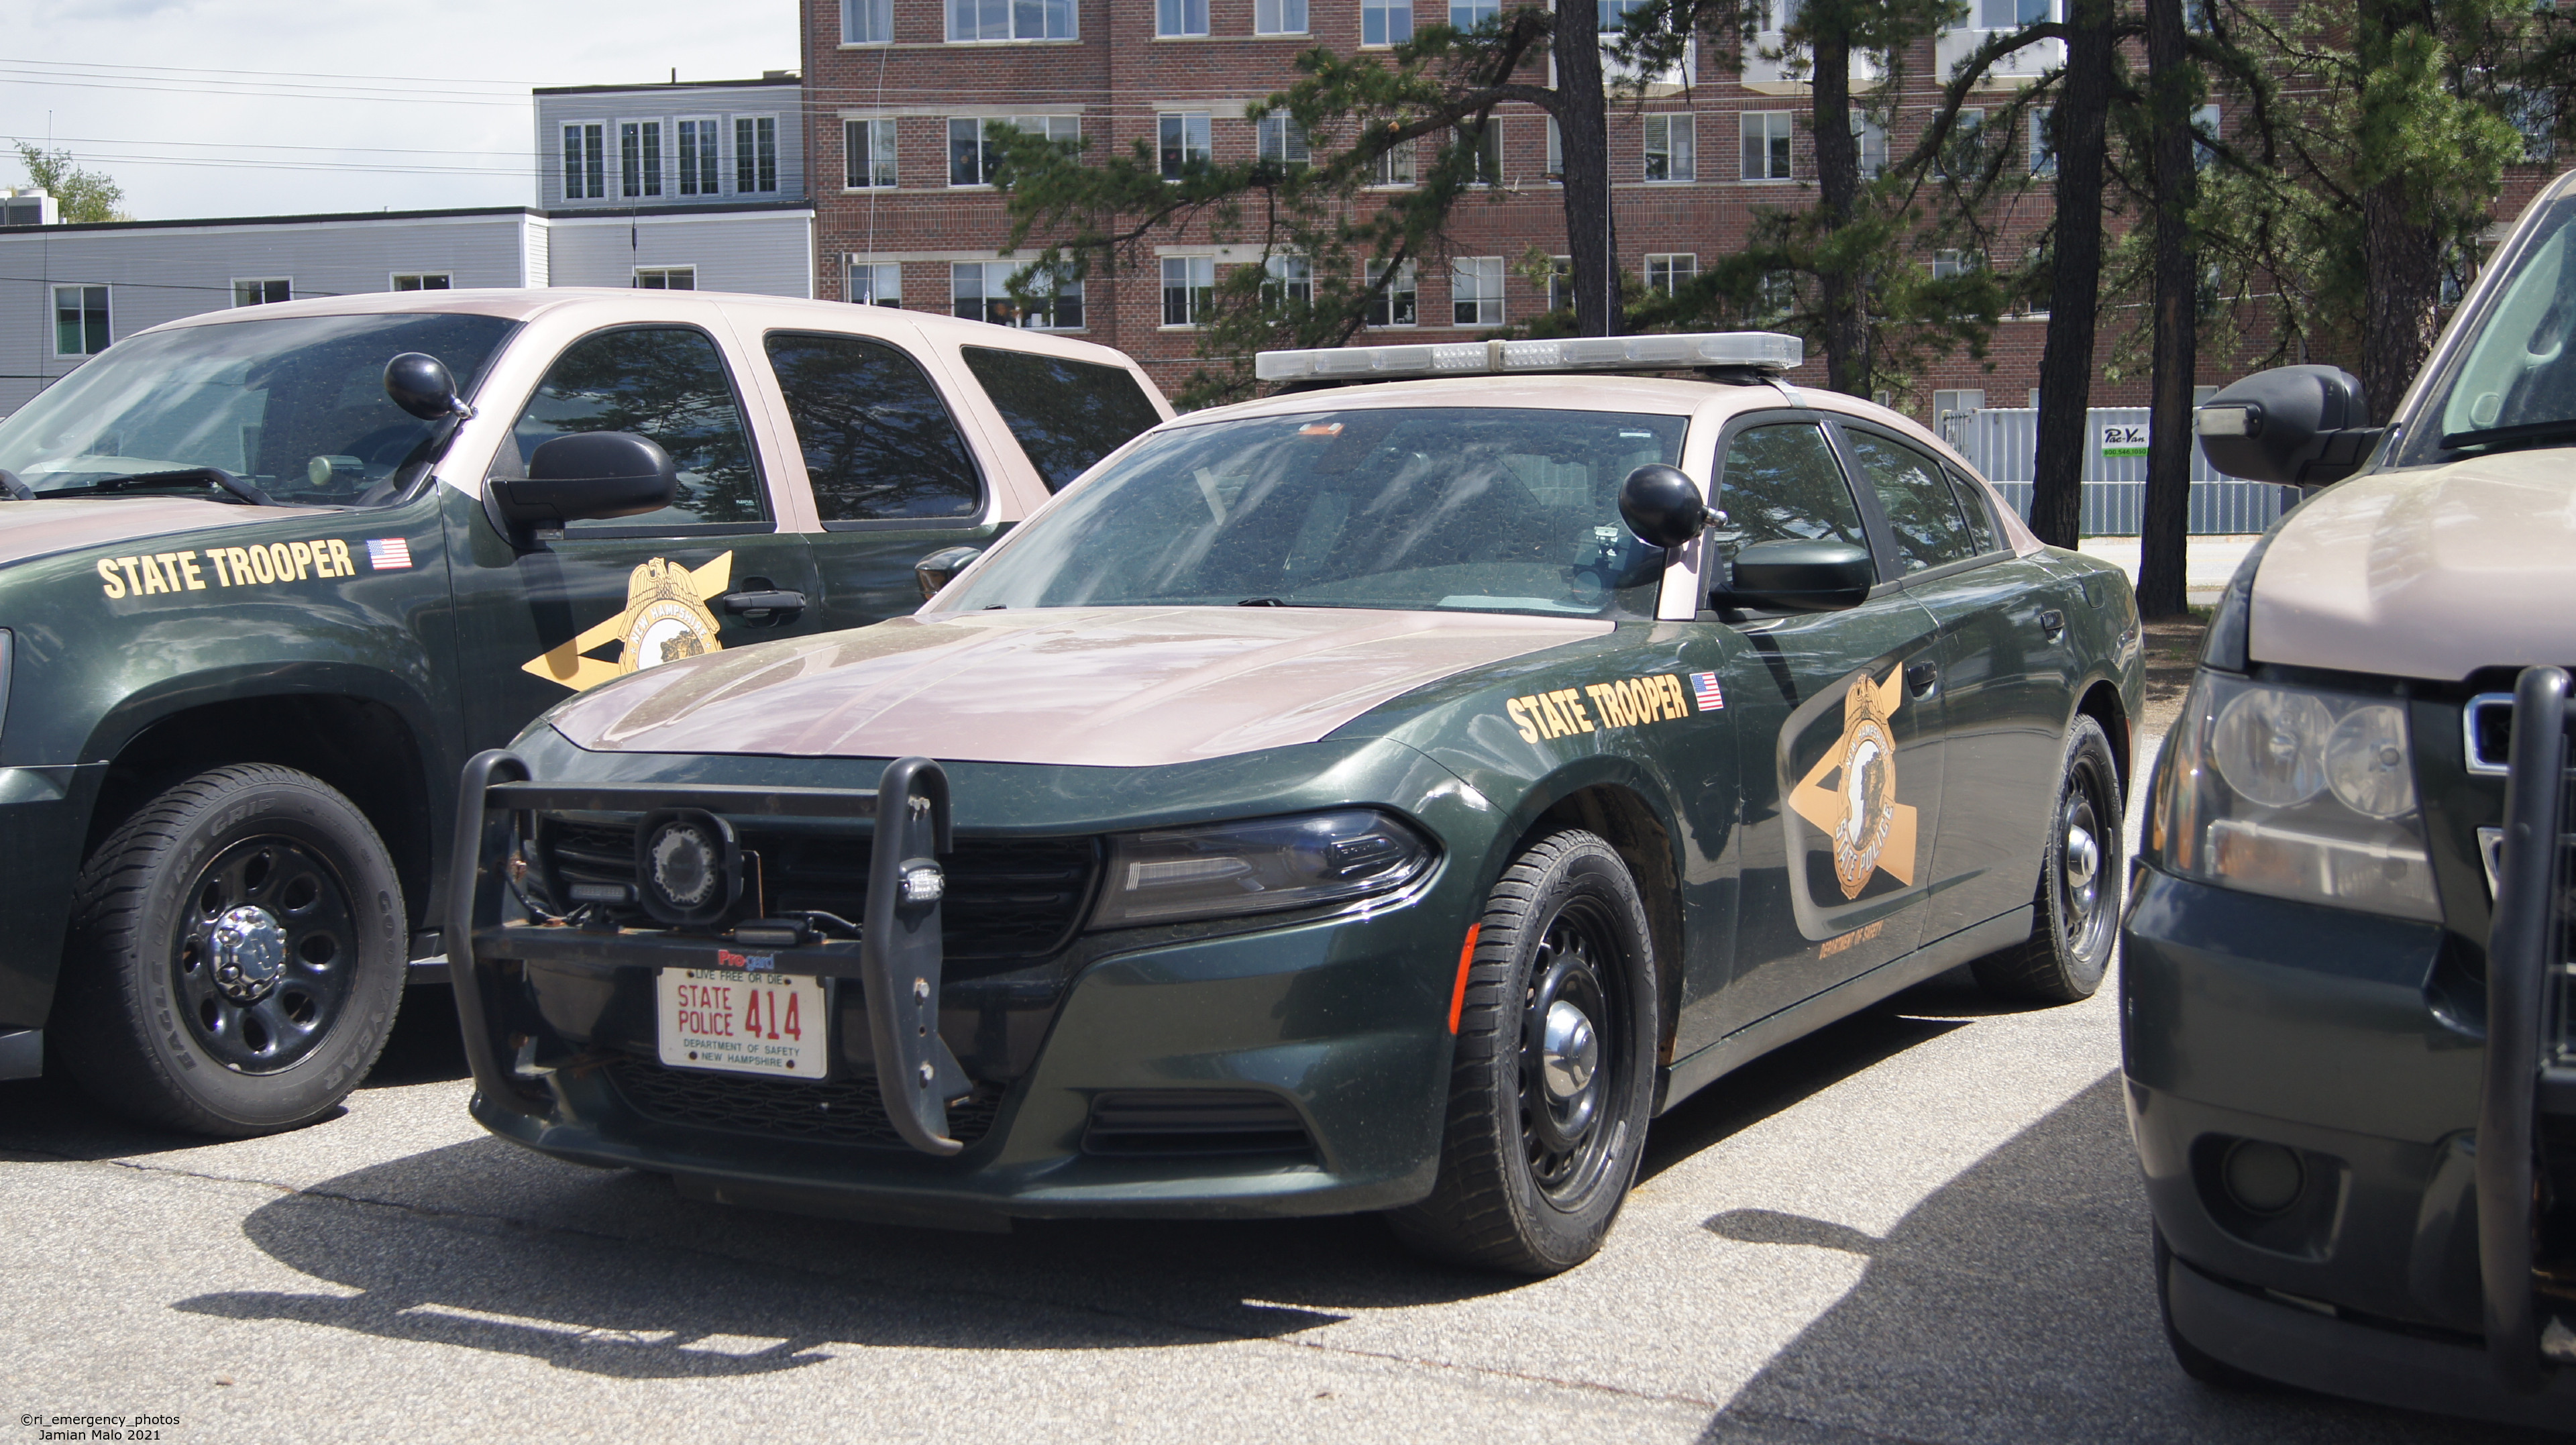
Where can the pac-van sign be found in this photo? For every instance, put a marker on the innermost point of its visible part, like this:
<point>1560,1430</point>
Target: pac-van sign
<point>2126,440</point>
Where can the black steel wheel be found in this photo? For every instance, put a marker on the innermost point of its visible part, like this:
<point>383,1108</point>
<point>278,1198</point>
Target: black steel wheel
<point>236,957</point>
<point>1554,1070</point>
<point>2077,908</point>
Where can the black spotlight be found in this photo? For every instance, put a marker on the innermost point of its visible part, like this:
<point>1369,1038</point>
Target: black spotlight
<point>688,868</point>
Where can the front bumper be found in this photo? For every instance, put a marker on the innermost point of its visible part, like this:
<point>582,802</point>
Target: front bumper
<point>44,813</point>
<point>2325,1032</point>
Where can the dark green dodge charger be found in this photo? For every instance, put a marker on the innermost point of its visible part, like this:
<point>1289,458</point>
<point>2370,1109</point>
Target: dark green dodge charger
<point>1379,797</point>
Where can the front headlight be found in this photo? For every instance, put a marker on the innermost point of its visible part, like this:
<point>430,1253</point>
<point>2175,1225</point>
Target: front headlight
<point>2295,793</point>
<point>1260,866</point>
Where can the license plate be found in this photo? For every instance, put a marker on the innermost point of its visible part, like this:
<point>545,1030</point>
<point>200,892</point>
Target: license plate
<point>773,1024</point>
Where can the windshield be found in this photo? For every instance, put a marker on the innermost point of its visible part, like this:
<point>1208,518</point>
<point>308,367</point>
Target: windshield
<point>295,406</point>
<point>1484,509</point>
<point>2513,382</point>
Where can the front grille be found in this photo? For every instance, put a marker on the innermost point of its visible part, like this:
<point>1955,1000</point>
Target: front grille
<point>834,1111</point>
<point>1194,1121</point>
<point>1007,898</point>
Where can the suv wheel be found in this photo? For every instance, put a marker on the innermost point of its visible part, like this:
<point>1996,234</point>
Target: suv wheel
<point>2078,906</point>
<point>1554,1069</point>
<point>237,953</point>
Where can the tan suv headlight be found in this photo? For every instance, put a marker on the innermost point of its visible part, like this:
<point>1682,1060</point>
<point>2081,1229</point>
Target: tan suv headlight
<point>2295,793</point>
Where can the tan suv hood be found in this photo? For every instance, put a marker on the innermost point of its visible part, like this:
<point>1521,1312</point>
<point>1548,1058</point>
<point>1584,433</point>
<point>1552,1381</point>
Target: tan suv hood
<point>1099,686</point>
<point>42,528</point>
<point>2426,573</point>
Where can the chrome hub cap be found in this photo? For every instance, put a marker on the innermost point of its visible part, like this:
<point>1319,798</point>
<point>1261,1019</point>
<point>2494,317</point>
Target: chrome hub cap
<point>249,953</point>
<point>2083,867</point>
<point>1569,1053</point>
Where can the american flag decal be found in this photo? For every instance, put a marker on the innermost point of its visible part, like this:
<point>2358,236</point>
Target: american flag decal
<point>1704,688</point>
<point>386,554</point>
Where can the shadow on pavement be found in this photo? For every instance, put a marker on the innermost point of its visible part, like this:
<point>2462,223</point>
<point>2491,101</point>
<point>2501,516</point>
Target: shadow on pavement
<point>2017,1303</point>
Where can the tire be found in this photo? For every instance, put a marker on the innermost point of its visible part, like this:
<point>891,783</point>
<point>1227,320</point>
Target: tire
<point>2077,910</point>
<point>2196,1362</point>
<point>1535,1161</point>
<point>237,953</point>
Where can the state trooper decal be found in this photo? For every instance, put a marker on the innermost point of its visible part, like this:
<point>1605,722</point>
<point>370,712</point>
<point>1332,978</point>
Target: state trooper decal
<point>666,619</point>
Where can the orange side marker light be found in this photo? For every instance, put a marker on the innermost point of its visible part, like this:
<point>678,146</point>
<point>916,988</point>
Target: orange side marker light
<point>1458,995</point>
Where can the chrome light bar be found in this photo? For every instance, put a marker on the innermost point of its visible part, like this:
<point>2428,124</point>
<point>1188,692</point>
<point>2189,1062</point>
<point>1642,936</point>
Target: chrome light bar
<point>1758,350</point>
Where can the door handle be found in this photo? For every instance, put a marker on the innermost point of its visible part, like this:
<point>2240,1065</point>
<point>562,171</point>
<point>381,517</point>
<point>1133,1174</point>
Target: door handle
<point>2052,624</point>
<point>739,603</point>
<point>1920,677</point>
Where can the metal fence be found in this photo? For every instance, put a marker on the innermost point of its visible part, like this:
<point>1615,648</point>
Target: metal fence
<point>2002,442</point>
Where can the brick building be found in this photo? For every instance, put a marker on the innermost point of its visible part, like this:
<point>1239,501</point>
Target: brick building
<point>898,92</point>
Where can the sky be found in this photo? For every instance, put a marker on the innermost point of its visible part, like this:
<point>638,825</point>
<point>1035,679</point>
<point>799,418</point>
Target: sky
<point>282,107</point>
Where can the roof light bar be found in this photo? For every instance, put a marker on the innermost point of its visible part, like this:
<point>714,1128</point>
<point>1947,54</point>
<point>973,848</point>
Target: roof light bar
<point>1758,350</point>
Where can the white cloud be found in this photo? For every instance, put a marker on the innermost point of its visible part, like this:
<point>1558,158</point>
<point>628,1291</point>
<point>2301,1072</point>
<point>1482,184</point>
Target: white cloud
<point>282,107</point>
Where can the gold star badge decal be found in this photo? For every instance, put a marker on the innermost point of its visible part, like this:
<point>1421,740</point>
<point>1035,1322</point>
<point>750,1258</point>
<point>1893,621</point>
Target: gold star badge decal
<point>666,619</point>
<point>1870,830</point>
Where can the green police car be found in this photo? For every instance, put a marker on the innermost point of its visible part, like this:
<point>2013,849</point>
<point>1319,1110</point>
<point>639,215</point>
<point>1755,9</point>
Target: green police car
<point>268,576</point>
<point>1378,797</point>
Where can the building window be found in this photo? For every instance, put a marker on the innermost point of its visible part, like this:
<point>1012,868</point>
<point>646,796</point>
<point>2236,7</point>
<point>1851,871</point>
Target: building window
<point>1946,264</point>
<point>1947,404</point>
<point>1395,305</point>
<point>666,278</point>
<point>1394,166</point>
<point>1184,141</point>
<point>1614,14</point>
<point>2043,143</point>
<point>80,320</point>
<point>1180,19</point>
<point>868,154</point>
<point>1189,290</point>
<point>639,157</point>
<point>263,292</point>
<point>2014,14</point>
<point>755,153</point>
<point>700,162</point>
<point>1774,297</point>
<point>1291,280</point>
<point>2532,112</point>
<point>424,281</point>
<point>867,22</point>
<point>981,291</point>
<point>1468,14</point>
<point>1555,162</point>
<point>1560,283</point>
<point>1386,22</point>
<point>1476,291</point>
<point>1283,141</point>
<point>2204,136</point>
<point>1766,145</point>
<point>875,283</point>
<point>1278,17</point>
<point>1484,140</point>
<point>585,162</point>
<point>1672,149</point>
<point>1872,140</point>
<point>1965,154</point>
<point>975,150</point>
<point>1011,20</point>
<point>1666,273</point>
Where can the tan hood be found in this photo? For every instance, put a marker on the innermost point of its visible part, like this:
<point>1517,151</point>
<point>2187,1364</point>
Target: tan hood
<point>2426,573</point>
<point>41,528</point>
<point>1099,686</point>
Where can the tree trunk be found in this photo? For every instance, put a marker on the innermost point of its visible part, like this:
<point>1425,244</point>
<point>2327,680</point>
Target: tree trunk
<point>2066,366</point>
<point>1583,132</point>
<point>1838,299</point>
<point>2402,260</point>
<point>2162,546</point>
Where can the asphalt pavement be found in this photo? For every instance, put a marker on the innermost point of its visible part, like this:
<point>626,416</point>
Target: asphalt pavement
<point>1921,1225</point>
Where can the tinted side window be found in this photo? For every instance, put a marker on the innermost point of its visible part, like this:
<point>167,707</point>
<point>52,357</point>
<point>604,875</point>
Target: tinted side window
<point>666,383</point>
<point>1065,414</point>
<point>1921,509</point>
<point>1782,484</point>
<point>1972,503</point>
<point>879,444</point>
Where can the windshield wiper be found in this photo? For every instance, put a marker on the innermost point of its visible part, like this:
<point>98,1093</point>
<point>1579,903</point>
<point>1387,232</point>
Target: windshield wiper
<point>1263,602</point>
<point>239,488</point>
<point>2520,433</point>
<point>17,490</point>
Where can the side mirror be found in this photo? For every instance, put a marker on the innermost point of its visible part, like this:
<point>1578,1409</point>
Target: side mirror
<point>586,476</point>
<point>420,384</point>
<point>2297,425</point>
<point>1662,505</point>
<point>941,567</point>
<point>1800,577</point>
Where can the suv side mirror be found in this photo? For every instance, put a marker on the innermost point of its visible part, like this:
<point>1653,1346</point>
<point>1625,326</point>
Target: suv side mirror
<point>586,476</point>
<point>419,383</point>
<point>1799,577</point>
<point>1662,505</point>
<point>941,567</point>
<point>2296,425</point>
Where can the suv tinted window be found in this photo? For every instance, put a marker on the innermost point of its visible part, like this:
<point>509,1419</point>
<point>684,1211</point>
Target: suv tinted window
<point>1065,414</point>
<point>879,444</point>
<point>1921,510</point>
<point>1972,503</point>
<point>665,383</point>
<point>1781,484</point>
